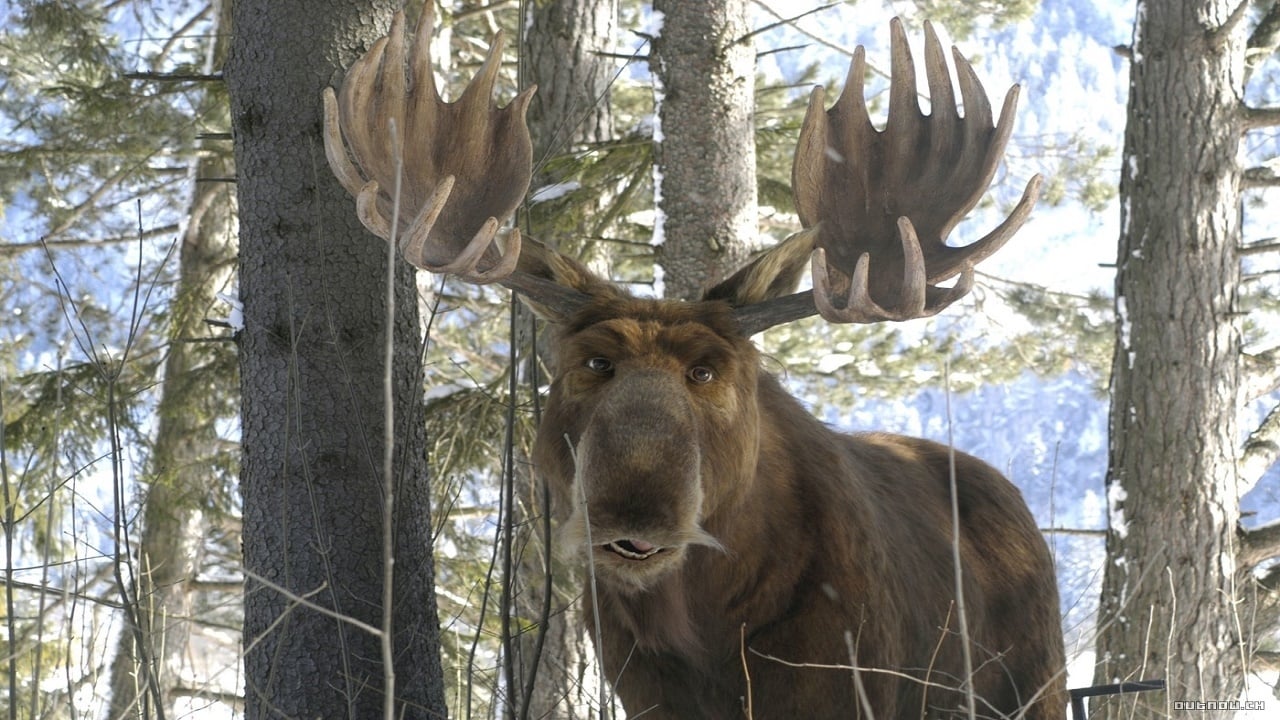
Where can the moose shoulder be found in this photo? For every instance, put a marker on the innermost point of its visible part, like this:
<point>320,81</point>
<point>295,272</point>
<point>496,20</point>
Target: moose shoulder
<point>747,558</point>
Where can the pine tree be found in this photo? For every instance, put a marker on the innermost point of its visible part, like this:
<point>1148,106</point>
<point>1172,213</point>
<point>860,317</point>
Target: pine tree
<point>1179,600</point>
<point>313,284</point>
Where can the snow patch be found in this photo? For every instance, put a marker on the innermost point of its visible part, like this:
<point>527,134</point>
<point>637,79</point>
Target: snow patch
<point>1116,496</point>
<point>553,192</point>
<point>1126,328</point>
<point>235,318</point>
<point>659,217</point>
<point>834,361</point>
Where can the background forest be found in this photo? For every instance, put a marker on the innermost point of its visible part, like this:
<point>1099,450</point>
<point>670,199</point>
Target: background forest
<point>124,339</point>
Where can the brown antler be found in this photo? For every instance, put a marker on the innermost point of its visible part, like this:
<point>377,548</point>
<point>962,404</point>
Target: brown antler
<point>888,199</point>
<point>462,167</point>
<point>397,127</point>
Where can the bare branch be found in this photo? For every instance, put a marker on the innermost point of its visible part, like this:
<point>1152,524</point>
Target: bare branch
<point>16,248</point>
<point>1271,580</point>
<point>1233,20</point>
<point>1259,544</point>
<point>1255,118</point>
<point>1260,177</point>
<point>174,77</point>
<point>1260,247</point>
<point>1081,532</point>
<point>1264,40</point>
<point>1266,660</point>
<point>1261,374</point>
<point>1260,451</point>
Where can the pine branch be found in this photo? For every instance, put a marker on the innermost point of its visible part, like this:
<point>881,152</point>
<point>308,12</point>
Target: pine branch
<point>1260,451</point>
<point>1259,544</point>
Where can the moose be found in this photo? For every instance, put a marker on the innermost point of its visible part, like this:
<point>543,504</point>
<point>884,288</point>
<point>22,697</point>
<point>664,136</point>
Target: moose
<point>750,561</point>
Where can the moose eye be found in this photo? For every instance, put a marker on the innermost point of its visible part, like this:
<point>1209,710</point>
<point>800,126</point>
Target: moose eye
<point>600,365</point>
<point>701,375</point>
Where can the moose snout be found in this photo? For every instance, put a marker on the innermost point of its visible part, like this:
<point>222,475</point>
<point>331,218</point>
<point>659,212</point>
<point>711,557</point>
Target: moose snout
<point>639,462</point>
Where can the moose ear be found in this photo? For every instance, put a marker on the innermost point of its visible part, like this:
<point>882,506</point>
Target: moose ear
<point>544,263</point>
<point>773,273</point>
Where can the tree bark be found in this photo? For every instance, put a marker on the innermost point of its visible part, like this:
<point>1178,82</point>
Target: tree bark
<point>565,43</point>
<point>171,546</point>
<point>705,177</point>
<point>1169,598</point>
<point>312,282</point>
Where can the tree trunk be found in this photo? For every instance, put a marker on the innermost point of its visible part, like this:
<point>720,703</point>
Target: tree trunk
<point>564,46</point>
<point>1169,597</point>
<point>705,174</point>
<point>171,546</point>
<point>312,282</point>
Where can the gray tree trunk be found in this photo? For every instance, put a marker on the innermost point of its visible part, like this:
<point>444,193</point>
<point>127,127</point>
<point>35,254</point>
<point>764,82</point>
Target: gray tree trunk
<point>1169,599</point>
<point>704,69</point>
<point>564,48</point>
<point>312,282</point>
<point>170,549</point>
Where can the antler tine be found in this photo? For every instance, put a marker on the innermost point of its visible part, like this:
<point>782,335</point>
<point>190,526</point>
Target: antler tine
<point>462,171</point>
<point>877,205</point>
<point>884,202</point>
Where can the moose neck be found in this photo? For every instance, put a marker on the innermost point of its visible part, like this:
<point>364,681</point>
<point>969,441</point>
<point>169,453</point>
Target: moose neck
<point>763,557</point>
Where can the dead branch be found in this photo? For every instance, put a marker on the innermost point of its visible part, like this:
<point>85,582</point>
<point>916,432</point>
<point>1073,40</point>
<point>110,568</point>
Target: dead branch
<point>1261,450</point>
<point>1259,544</point>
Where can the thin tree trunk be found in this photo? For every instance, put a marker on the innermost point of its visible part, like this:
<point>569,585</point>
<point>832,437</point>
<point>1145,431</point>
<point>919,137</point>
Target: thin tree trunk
<point>1169,598</point>
<point>312,282</point>
<point>565,44</point>
<point>704,74</point>
<point>171,546</point>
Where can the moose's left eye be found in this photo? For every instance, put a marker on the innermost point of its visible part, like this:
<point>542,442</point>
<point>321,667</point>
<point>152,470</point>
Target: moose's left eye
<point>701,375</point>
<point>600,365</point>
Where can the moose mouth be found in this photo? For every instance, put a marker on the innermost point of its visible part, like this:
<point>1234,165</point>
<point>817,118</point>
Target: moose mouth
<point>633,549</point>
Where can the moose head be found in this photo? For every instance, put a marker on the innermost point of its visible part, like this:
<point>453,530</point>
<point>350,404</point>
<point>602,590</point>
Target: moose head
<point>743,549</point>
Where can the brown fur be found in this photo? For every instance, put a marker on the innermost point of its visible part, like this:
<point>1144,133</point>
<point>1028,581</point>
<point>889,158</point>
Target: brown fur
<point>802,539</point>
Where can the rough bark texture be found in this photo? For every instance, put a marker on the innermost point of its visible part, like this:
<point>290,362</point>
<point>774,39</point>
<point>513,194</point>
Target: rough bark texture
<point>1169,596</point>
<point>312,282</point>
<point>564,42</point>
<point>171,547</point>
<point>704,68</point>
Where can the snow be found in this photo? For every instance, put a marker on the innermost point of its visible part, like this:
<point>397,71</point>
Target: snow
<point>235,317</point>
<point>554,191</point>
<point>1126,327</point>
<point>1116,496</point>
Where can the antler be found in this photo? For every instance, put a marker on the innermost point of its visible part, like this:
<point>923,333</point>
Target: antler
<point>890,198</point>
<point>397,126</point>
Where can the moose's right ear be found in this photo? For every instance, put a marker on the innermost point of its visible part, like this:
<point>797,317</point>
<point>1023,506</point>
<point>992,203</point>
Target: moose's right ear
<point>773,273</point>
<point>544,263</point>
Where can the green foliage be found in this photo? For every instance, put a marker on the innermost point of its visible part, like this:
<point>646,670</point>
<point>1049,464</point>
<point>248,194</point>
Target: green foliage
<point>1082,171</point>
<point>962,17</point>
<point>67,69</point>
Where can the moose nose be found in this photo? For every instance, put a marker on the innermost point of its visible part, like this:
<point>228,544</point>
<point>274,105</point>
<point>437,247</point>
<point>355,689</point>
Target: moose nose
<point>644,419</point>
<point>639,456</point>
